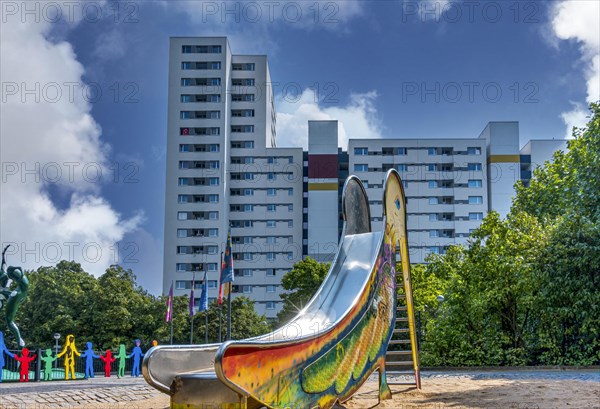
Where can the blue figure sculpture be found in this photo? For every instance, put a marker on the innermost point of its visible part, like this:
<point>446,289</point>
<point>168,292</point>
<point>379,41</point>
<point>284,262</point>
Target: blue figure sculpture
<point>137,357</point>
<point>3,350</point>
<point>89,356</point>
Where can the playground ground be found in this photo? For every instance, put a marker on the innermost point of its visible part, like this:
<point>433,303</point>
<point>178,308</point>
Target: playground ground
<point>498,389</point>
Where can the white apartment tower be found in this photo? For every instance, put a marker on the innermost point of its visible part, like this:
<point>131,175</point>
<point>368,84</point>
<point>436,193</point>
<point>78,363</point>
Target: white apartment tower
<point>224,172</point>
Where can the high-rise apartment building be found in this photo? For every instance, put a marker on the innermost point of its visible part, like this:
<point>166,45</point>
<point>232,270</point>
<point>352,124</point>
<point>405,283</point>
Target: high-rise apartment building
<point>282,204</point>
<point>225,173</point>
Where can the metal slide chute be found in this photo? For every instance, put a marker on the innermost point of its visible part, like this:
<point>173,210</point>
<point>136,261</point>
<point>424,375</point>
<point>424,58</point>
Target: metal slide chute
<point>325,353</point>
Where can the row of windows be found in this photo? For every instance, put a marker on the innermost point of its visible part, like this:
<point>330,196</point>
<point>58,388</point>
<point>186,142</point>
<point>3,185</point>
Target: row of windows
<point>473,150</point>
<point>272,160</point>
<point>403,167</point>
<point>250,207</point>
<point>200,82</point>
<point>201,65</point>
<point>201,49</point>
<point>188,98</point>
<point>197,215</point>
<point>269,256</point>
<point>250,223</point>
<point>253,175</point>
<point>267,239</point>
<point>195,164</point>
<point>197,249</point>
<point>197,199</point>
<point>186,147</point>
<point>270,191</point>
<point>242,128</point>
<point>215,130</point>
<point>198,181</point>
<point>182,233</point>
<point>200,114</point>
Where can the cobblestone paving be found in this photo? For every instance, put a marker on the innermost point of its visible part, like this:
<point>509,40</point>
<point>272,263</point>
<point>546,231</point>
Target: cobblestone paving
<point>64,394</point>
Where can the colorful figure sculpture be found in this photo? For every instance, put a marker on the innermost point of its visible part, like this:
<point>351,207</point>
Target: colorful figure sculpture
<point>107,359</point>
<point>24,360</point>
<point>48,361</point>
<point>89,356</point>
<point>69,351</point>
<point>137,357</point>
<point>12,299</point>
<point>3,350</point>
<point>154,342</point>
<point>121,356</point>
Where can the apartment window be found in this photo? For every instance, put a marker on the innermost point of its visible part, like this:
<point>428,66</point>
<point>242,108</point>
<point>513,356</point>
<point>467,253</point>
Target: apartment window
<point>184,181</point>
<point>183,285</point>
<point>246,289</point>
<point>271,240</point>
<point>475,183</point>
<point>211,267</point>
<point>432,167</point>
<point>213,198</point>
<point>271,192</point>
<point>270,256</point>
<point>213,215</point>
<point>290,208</point>
<point>433,200</point>
<point>434,250</point>
<point>290,191</point>
<point>361,167</point>
<point>270,305</point>
<point>432,184</point>
<point>271,288</point>
<point>243,82</point>
<point>271,160</point>
<point>242,128</point>
<point>475,199</point>
<point>181,267</point>
<point>247,256</point>
<point>182,198</point>
<point>431,151</point>
<point>214,147</point>
<point>248,207</point>
<point>213,181</point>
<point>243,66</point>
<point>472,150</point>
<point>474,166</point>
<point>401,151</point>
<point>270,272</point>
<point>271,223</point>
<point>242,97</point>
<point>212,284</point>
<point>271,176</point>
<point>246,272</point>
<point>248,192</point>
<point>434,233</point>
<point>181,233</point>
<point>290,255</point>
<point>476,216</point>
<point>213,232</point>
<point>186,49</point>
<point>290,223</point>
<point>271,208</point>
<point>402,167</point>
<point>433,217</point>
<point>242,113</point>
<point>361,151</point>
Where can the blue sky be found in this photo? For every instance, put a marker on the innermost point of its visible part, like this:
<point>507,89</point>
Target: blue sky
<point>391,69</point>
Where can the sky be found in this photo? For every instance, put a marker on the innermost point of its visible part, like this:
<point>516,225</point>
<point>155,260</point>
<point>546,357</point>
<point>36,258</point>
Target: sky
<point>84,97</point>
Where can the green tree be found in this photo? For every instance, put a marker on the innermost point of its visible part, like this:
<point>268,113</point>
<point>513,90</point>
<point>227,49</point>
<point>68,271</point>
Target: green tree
<point>302,282</point>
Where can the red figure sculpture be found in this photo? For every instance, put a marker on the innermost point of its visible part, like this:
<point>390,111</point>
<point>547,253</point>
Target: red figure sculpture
<point>25,360</point>
<point>107,359</point>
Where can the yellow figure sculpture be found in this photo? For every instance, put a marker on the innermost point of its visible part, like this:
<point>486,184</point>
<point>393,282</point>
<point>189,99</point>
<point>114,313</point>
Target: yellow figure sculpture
<point>69,351</point>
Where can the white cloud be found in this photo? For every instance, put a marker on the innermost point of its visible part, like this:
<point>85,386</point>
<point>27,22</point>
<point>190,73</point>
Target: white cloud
<point>580,21</point>
<point>53,159</point>
<point>358,119</point>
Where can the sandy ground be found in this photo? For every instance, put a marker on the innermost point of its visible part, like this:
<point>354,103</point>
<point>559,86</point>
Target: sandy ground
<point>455,393</point>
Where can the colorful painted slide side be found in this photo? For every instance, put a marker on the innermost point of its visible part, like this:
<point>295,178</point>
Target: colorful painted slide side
<point>327,351</point>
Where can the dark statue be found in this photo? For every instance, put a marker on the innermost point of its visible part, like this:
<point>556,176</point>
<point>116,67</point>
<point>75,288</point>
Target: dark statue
<point>10,300</point>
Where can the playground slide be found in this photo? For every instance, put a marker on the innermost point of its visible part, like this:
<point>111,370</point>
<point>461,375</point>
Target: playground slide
<point>327,351</point>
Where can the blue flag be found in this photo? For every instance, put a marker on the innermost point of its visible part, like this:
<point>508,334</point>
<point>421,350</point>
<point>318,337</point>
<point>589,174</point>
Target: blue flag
<point>227,271</point>
<point>204,296</point>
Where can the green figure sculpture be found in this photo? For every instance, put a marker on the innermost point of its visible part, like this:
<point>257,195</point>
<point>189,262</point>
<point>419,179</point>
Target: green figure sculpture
<point>48,360</point>
<point>121,356</point>
<point>13,298</point>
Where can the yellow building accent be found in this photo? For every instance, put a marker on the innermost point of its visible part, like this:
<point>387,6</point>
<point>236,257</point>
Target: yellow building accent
<point>505,159</point>
<point>322,186</point>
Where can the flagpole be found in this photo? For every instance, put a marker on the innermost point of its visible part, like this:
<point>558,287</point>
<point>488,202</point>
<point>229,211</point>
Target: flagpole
<point>192,312</point>
<point>229,313</point>
<point>172,316</point>
<point>220,303</point>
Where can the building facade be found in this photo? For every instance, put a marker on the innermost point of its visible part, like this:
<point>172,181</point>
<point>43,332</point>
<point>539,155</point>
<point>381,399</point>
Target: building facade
<point>225,173</point>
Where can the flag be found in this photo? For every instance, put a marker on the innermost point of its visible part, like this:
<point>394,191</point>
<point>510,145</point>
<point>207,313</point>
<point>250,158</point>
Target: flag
<point>226,270</point>
<point>204,296</point>
<point>191,304</point>
<point>169,316</point>
<point>220,298</point>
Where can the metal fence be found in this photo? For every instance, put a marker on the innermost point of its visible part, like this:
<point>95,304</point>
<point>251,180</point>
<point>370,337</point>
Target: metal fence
<point>10,372</point>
